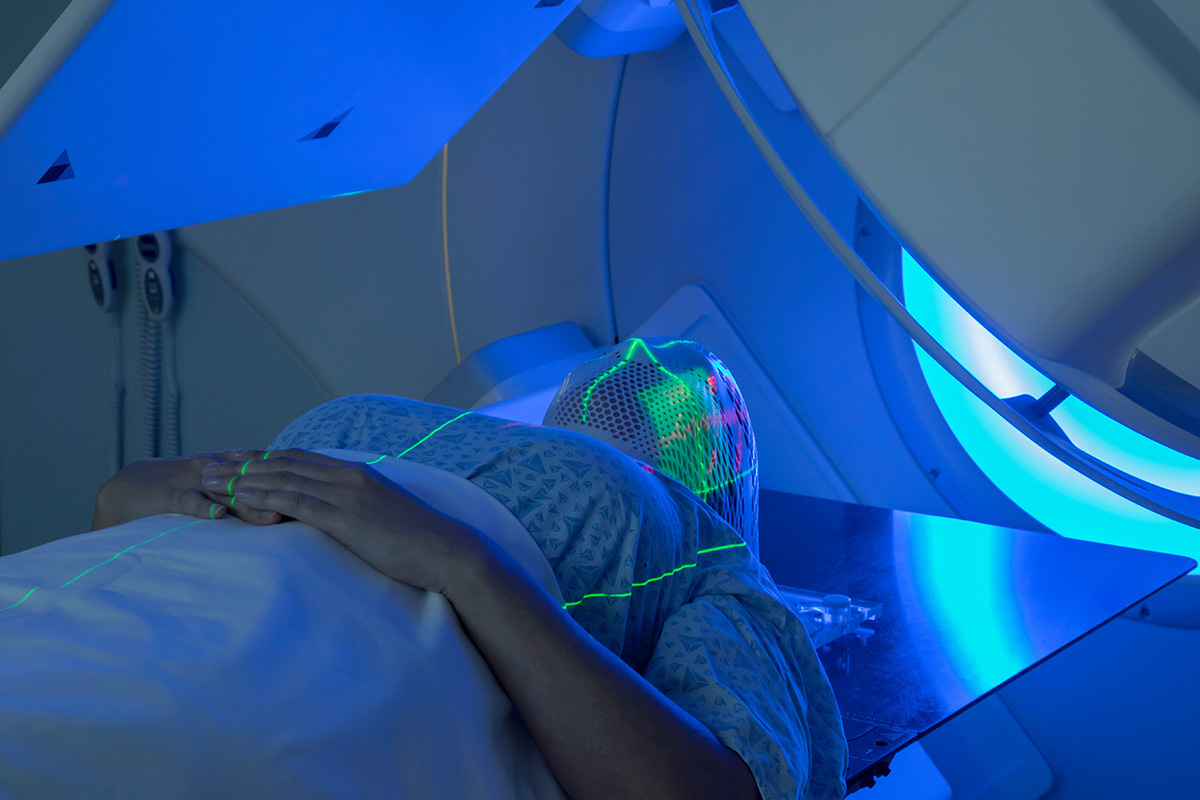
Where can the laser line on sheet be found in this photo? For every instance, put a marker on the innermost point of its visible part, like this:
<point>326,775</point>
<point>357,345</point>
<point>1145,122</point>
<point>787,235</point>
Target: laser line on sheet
<point>106,561</point>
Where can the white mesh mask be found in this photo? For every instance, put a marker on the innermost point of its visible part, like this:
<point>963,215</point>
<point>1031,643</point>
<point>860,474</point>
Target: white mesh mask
<point>674,406</point>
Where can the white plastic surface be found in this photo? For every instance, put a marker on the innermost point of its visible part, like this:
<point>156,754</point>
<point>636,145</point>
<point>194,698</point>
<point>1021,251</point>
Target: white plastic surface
<point>225,660</point>
<point>528,408</point>
<point>1038,157</point>
<point>789,458</point>
<point>866,41</point>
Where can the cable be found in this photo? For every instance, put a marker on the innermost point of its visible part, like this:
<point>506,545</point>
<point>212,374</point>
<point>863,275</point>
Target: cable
<point>102,276</point>
<point>150,373</point>
<point>156,282</point>
<point>118,400</point>
<point>446,252</point>
<point>171,438</point>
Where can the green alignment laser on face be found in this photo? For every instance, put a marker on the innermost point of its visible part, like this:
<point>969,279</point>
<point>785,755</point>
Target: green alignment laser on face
<point>634,344</point>
<point>704,492</point>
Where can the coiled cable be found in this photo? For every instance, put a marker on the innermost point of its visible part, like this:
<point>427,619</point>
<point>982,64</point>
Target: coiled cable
<point>118,400</point>
<point>150,372</point>
<point>170,412</point>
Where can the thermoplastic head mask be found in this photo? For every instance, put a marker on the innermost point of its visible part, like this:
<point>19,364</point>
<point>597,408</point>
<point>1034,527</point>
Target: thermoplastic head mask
<point>673,405</point>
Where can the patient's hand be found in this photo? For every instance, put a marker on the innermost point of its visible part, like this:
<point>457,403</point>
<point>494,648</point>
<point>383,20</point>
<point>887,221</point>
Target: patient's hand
<point>166,485</point>
<point>378,520</point>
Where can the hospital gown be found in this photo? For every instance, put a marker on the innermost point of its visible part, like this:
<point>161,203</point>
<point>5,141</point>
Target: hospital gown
<point>645,567</point>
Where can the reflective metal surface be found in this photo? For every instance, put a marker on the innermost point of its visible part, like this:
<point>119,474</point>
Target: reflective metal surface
<point>966,607</point>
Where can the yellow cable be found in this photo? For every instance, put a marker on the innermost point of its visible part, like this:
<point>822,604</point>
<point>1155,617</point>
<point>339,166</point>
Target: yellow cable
<point>446,253</point>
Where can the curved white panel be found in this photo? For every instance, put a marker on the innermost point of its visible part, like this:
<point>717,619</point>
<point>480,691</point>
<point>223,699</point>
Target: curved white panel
<point>1040,159</point>
<point>776,136</point>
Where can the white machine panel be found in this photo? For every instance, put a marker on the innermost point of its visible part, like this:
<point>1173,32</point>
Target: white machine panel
<point>1039,157</point>
<point>836,54</point>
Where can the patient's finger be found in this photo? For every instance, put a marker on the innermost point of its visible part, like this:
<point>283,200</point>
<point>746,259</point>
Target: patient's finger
<point>297,462</point>
<point>242,511</point>
<point>278,480</point>
<point>239,456</point>
<point>190,501</point>
<point>297,505</point>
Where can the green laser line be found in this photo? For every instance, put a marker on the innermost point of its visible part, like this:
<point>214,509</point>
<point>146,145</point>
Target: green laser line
<point>652,580</point>
<point>724,483</point>
<point>633,344</point>
<point>431,433</point>
<point>721,547</point>
<point>587,396</point>
<point>22,600</point>
<point>212,512</point>
<point>697,417</point>
<point>127,549</point>
<point>102,563</point>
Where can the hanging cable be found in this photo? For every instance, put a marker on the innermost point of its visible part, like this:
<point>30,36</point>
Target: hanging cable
<point>118,399</point>
<point>150,375</point>
<point>446,253</point>
<point>102,276</point>
<point>171,445</point>
<point>157,301</point>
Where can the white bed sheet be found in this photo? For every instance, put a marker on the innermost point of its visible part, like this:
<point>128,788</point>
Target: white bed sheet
<point>226,660</point>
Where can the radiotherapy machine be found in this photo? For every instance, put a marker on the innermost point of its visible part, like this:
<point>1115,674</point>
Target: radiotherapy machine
<point>950,249</point>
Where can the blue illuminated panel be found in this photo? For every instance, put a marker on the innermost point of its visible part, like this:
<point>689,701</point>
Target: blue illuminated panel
<point>180,113</point>
<point>1053,493</point>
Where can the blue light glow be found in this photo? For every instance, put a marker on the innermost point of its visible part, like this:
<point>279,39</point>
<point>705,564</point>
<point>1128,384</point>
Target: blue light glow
<point>966,593</point>
<point>1050,491</point>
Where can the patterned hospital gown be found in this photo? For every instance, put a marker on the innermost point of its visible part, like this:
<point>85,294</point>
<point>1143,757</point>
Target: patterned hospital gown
<point>645,567</point>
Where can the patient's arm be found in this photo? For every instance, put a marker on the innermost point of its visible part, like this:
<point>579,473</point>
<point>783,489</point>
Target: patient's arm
<point>604,731</point>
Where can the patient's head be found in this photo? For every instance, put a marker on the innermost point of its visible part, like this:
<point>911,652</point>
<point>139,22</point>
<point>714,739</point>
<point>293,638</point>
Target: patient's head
<point>673,405</point>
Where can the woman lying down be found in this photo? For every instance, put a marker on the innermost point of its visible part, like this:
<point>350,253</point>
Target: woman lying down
<point>657,662</point>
